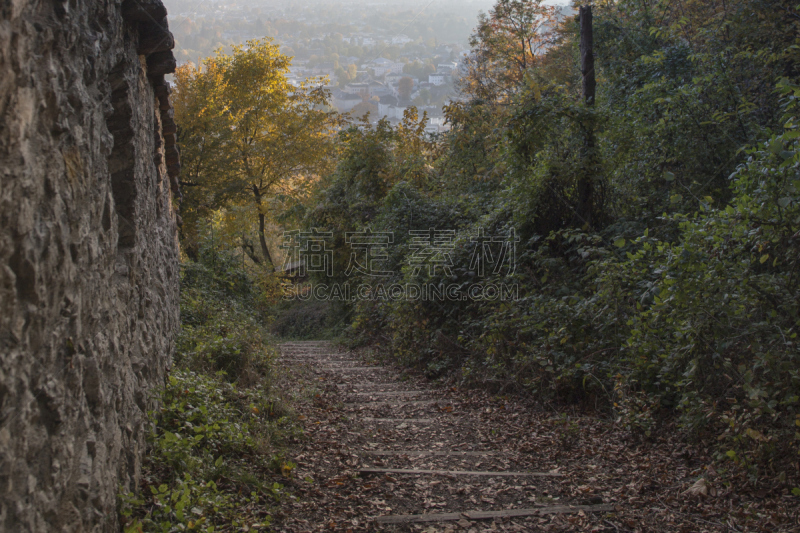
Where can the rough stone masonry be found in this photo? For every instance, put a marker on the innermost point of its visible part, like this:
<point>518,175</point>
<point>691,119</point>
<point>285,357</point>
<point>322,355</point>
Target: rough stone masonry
<point>88,253</point>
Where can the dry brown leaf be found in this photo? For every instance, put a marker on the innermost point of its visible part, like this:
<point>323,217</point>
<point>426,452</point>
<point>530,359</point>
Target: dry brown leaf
<point>700,488</point>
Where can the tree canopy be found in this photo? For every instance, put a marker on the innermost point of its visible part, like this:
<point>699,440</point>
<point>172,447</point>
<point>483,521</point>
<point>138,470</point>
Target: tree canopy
<point>506,44</point>
<point>247,135</point>
<point>667,289</point>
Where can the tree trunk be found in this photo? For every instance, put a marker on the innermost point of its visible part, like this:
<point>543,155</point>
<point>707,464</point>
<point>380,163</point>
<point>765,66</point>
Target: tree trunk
<point>262,223</point>
<point>247,247</point>
<point>587,55</point>
<point>263,240</point>
<point>586,181</point>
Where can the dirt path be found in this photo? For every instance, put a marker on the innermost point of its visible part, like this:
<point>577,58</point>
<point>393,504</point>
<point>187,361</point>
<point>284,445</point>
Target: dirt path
<point>389,452</point>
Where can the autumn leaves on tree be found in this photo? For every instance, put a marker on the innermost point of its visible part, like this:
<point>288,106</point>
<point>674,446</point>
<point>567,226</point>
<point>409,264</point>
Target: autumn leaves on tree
<point>506,44</point>
<point>249,138</point>
<point>657,208</point>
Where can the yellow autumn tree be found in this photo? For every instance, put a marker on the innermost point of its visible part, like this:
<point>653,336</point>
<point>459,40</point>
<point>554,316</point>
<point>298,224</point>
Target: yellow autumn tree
<point>247,136</point>
<point>507,42</point>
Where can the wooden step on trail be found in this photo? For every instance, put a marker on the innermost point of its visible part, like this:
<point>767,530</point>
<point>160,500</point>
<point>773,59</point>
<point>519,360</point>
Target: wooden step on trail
<point>444,441</point>
<point>413,471</point>
<point>409,421</point>
<point>487,515</point>
<point>371,384</point>
<point>345,368</point>
<point>308,361</point>
<point>321,357</point>
<point>350,368</point>
<point>305,357</point>
<point>389,393</point>
<point>426,453</point>
<point>315,359</point>
<point>313,364</point>
<point>399,403</point>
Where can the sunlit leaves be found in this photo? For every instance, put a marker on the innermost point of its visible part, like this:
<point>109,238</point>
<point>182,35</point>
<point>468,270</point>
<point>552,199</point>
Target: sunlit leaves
<point>249,136</point>
<point>507,42</point>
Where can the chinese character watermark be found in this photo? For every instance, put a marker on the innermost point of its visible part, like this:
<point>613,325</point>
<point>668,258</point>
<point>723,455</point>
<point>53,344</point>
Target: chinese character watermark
<point>488,254</point>
<point>432,248</point>
<point>368,250</point>
<point>369,256</point>
<point>307,251</point>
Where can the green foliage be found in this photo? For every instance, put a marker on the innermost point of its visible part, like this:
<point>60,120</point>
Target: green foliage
<point>507,42</point>
<point>249,139</point>
<point>547,159</point>
<point>210,453</point>
<point>213,449</point>
<point>300,320</point>
<point>222,312</point>
<point>685,86</point>
<point>680,298</point>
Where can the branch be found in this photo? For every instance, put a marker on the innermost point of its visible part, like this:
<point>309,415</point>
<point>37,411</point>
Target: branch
<point>247,247</point>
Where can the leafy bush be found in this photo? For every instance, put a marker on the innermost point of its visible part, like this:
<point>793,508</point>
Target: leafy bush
<point>210,457</point>
<point>214,448</point>
<point>678,298</point>
<point>304,320</point>
<point>222,316</point>
<point>705,325</point>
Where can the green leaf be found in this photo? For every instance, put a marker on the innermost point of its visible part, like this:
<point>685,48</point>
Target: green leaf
<point>218,462</point>
<point>796,491</point>
<point>619,243</point>
<point>669,176</point>
<point>764,258</point>
<point>783,202</point>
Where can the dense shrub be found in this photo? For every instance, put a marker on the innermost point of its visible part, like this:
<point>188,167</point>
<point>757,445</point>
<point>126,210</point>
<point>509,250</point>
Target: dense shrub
<point>212,456</point>
<point>222,319</point>
<point>675,296</point>
<point>300,320</point>
<point>214,449</point>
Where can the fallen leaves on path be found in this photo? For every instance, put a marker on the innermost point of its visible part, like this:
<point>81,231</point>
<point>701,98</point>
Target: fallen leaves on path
<point>661,484</point>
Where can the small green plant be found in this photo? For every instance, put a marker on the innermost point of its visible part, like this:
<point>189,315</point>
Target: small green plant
<point>207,430</point>
<point>216,433</point>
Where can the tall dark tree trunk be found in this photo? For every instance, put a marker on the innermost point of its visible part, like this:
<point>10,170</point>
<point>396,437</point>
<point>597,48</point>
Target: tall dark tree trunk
<point>586,181</point>
<point>587,55</point>
<point>262,223</point>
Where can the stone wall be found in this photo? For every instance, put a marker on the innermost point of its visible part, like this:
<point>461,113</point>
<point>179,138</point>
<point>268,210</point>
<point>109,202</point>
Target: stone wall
<point>88,253</point>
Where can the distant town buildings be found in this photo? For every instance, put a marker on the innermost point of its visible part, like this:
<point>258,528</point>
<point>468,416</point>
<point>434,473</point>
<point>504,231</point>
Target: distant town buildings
<point>400,39</point>
<point>436,79</point>
<point>344,101</point>
<point>369,89</point>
